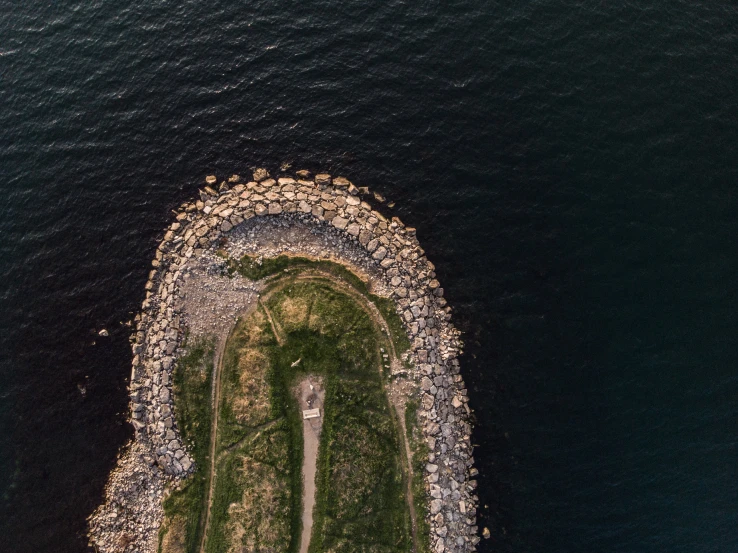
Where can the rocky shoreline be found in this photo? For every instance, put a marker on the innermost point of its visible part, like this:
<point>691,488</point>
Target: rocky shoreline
<point>341,226</point>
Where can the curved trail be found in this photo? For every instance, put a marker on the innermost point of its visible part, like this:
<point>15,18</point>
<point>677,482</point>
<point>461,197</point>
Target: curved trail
<point>217,365</point>
<point>376,316</point>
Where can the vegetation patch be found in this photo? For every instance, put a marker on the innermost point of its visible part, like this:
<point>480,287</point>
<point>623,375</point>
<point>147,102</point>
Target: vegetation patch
<point>258,268</point>
<point>255,505</point>
<point>419,451</point>
<point>184,508</point>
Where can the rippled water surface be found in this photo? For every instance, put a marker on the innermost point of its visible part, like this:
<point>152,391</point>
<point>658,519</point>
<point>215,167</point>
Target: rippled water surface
<point>570,167</point>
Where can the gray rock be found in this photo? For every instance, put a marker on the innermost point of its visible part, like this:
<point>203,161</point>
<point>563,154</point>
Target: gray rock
<point>186,463</point>
<point>436,506</point>
<point>353,229</point>
<point>380,253</point>
<point>339,222</point>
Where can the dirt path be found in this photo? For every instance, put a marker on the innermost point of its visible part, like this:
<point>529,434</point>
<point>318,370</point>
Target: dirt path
<point>310,395</point>
<point>399,406</point>
<point>217,370</point>
<point>217,366</point>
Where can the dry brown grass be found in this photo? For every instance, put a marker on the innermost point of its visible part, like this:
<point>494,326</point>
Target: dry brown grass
<point>318,322</point>
<point>254,330</point>
<point>251,526</point>
<point>251,403</point>
<point>293,312</point>
<point>174,539</point>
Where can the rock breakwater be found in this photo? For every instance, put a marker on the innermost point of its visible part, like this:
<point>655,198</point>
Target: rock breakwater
<point>327,218</point>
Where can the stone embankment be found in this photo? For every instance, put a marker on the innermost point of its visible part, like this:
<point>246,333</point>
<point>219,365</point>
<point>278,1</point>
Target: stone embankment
<point>385,249</point>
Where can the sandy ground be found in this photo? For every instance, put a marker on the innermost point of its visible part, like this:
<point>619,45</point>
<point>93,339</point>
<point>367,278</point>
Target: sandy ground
<point>310,395</point>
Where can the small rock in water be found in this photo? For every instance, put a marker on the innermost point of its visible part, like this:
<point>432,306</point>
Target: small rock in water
<point>103,332</point>
<point>210,179</point>
<point>485,533</point>
<point>260,174</point>
<point>322,179</point>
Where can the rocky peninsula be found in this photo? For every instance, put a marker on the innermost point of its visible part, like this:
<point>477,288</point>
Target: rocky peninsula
<point>241,279</point>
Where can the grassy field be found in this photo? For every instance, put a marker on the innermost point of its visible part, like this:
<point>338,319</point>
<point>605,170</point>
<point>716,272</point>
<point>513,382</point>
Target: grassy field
<point>184,508</point>
<point>256,497</point>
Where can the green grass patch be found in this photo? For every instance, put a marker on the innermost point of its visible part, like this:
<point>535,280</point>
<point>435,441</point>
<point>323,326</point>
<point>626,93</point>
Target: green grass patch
<point>419,450</point>
<point>192,385</point>
<point>253,495</point>
<point>259,268</point>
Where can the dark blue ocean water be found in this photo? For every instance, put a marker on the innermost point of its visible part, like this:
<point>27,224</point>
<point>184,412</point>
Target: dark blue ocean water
<point>571,168</point>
